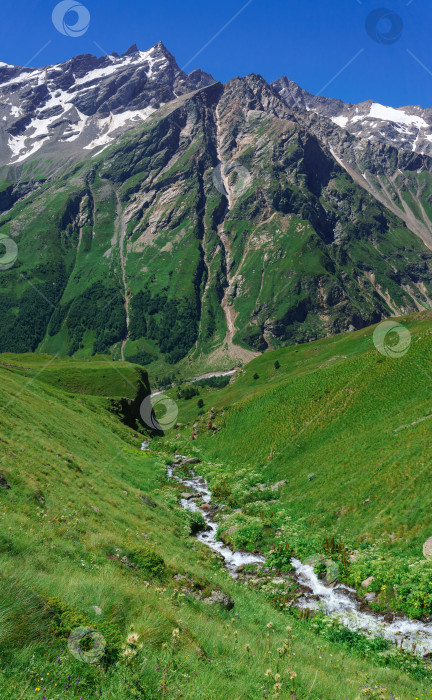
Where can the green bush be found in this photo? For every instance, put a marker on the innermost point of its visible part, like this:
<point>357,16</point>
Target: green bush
<point>63,619</point>
<point>148,561</point>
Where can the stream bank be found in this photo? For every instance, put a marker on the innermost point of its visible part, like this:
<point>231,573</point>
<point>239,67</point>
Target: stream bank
<point>338,602</point>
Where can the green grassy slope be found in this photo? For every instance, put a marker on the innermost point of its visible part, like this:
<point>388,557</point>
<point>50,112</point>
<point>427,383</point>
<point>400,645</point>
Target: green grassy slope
<point>73,513</point>
<point>348,431</point>
<point>97,376</point>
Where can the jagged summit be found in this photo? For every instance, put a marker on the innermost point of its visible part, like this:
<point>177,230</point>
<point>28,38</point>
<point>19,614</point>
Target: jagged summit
<point>85,102</point>
<point>131,50</point>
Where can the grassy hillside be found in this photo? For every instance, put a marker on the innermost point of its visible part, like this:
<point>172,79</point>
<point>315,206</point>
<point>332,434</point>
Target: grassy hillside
<point>347,431</point>
<point>90,520</point>
<point>97,376</point>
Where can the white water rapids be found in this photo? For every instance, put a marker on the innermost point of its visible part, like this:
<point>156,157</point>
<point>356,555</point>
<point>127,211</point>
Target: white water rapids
<point>338,602</point>
<point>232,559</point>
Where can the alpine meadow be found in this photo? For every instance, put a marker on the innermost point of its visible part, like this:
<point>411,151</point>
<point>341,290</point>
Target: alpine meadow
<point>215,353</point>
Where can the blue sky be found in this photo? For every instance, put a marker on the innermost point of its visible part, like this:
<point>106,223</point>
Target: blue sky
<point>310,41</point>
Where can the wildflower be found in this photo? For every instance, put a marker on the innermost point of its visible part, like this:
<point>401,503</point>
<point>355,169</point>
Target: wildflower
<point>268,672</point>
<point>129,653</point>
<point>277,677</point>
<point>293,675</point>
<point>277,686</point>
<point>288,628</point>
<point>269,625</point>
<point>247,647</point>
<point>132,638</point>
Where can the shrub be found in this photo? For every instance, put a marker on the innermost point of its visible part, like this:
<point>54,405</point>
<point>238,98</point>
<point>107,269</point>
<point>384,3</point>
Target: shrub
<point>148,561</point>
<point>64,618</point>
<point>187,392</point>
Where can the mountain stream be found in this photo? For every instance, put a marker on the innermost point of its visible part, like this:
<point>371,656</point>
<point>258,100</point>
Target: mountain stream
<point>338,602</point>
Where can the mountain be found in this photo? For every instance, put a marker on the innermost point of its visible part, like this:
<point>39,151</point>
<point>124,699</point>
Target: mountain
<point>407,128</point>
<point>86,102</point>
<point>171,220</point>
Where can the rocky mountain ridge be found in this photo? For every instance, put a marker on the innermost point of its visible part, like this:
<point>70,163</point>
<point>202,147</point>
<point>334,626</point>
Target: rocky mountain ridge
<point>407,128</point>
<point>227,222</point>
<point>86,102</point>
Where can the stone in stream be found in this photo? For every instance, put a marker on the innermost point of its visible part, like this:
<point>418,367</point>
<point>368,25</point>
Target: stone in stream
<point>427,548</point>
<point>205,506</point>
<point>192,460</point>
<point>370,597</point>
<point>186,495</point>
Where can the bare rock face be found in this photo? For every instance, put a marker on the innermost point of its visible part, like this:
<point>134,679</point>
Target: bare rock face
<point>427,548</point>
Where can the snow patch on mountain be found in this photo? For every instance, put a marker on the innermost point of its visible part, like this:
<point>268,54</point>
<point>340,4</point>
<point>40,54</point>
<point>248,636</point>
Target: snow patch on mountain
<point>86,102</point>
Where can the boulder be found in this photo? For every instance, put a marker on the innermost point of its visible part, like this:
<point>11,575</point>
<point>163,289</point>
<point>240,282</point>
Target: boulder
<point>3,483</point>
<point>220,598</point>
<point>147,501</point>
<point>192,460</point>
<point>367,582</point>
<point>186,495</point>
<point>370,597</point>
<point>205,506</point>
<point>427,548</point>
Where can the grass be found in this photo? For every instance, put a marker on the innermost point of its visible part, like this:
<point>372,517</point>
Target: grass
<point>72,518</point>
<point>348,432</point>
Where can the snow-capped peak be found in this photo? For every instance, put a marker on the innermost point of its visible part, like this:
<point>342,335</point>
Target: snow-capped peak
<point>87,101</point>
<point>407,128</point>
